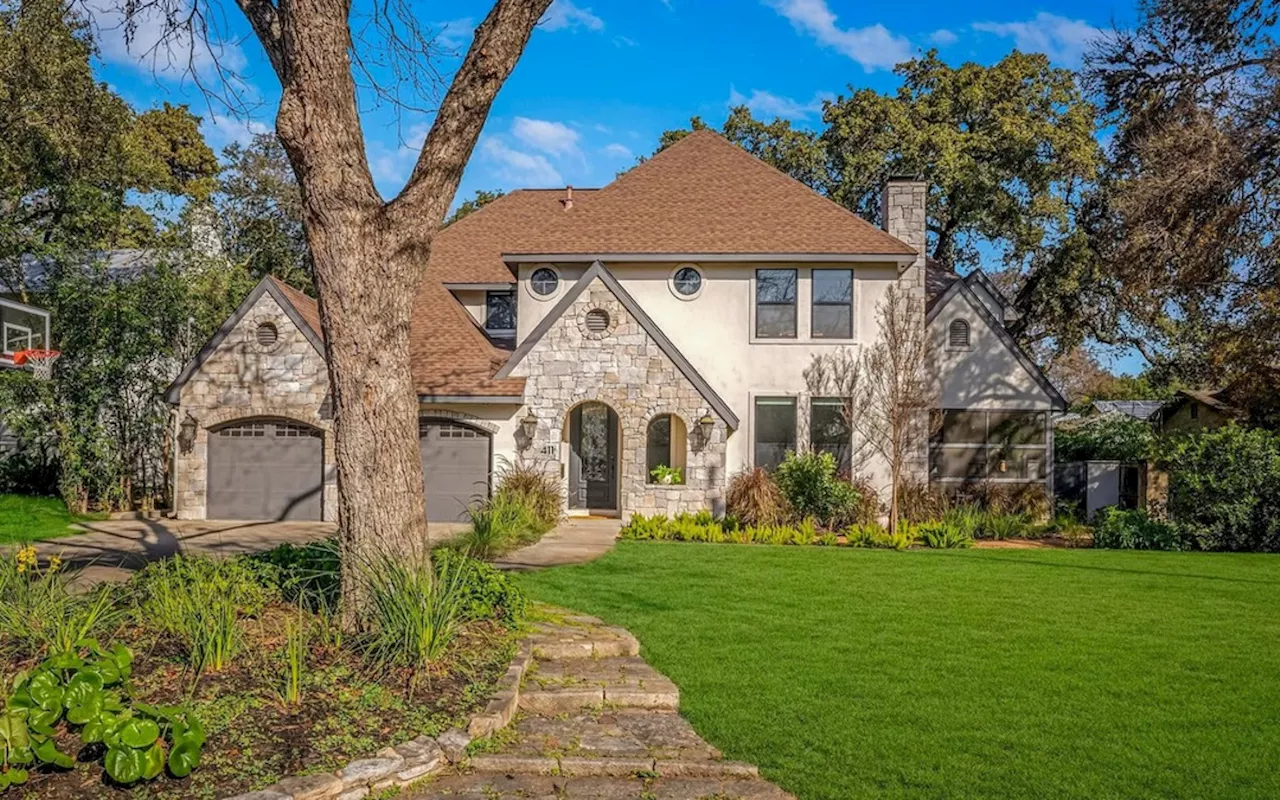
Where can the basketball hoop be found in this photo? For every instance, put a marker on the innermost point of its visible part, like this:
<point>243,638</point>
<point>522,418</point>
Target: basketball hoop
<point>40,361</point>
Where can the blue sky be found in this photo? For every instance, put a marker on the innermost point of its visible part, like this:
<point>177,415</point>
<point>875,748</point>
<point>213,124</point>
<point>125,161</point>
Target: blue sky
<point>601,80</point>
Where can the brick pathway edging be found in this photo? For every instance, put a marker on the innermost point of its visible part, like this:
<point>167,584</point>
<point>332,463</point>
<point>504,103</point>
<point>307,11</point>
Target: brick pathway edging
<point>409,762</point>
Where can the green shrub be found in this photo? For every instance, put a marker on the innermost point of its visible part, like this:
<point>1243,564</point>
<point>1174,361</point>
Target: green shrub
<point>865,535</point>
<point>1224,488</point>
<point>642,528</point>
<point>307,574</point>
<point>485,592</point>
<point>944,535</point>
<point>533,488</point>
<point>1004,526</point>
<point>41,612</point>
<point>497,525</point>
<point>198,601</point>
<point>755,499</point>
<point>1109,437</point>
<point>812,489</point>
<point>414,612</point>
<point>1117,529</point>
<point>867,509</point>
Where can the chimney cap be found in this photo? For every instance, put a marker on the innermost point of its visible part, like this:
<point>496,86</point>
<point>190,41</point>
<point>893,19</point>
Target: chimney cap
<point>903,177</point>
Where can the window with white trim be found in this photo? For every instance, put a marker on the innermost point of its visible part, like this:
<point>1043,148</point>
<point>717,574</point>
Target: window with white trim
<point>776,303</point>
<point>774,430</point>
<point>832,316</point>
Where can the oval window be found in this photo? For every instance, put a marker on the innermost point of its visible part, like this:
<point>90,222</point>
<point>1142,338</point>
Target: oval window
<point>687,281</point>
<point>544,281</point>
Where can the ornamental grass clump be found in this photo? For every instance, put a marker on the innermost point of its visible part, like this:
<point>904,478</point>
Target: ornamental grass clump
<point>40,611</point>
<point>535,489</point>
<point>199,601</point>
<point>755,499</point>
<point>414,611</point>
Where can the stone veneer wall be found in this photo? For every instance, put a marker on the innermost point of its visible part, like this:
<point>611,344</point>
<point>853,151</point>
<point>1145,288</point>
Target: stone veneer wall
<point>242,379</point>
<point>626,369</point>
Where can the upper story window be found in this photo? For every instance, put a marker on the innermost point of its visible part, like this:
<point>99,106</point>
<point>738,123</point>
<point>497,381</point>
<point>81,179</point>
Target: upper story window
<point>500,314</point>
<point>832,304</point>
<point>776,303</point>
<point>544,281</point>
<point>958,335</point>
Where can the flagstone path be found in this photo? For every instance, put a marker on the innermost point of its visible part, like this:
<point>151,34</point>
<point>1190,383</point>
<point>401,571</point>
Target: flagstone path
<point>594,720</point>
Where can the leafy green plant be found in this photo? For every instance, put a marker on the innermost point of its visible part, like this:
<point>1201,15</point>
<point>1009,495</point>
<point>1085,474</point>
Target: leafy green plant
<point>1005,526</point>
<point>863,535</point>
<point>41,611</point>
<point>485,592</point>
<point>1108,437</point>
<point>755,499</point>
<point>666,475</point>
<point>812,488</point>
<point>307,574</point>
<point>944,535</point>
<point>295,660</point>
<point>199,601</point>
<point>1118,529</point>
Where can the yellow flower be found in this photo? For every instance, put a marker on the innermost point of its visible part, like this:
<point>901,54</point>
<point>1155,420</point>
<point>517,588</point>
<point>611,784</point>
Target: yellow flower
<point>54,563</point>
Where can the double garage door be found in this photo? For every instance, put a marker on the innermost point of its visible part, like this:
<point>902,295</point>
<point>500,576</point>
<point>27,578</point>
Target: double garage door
<point>274,470</point>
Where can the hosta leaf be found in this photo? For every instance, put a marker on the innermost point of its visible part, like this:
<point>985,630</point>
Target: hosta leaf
<point>41,721</point>
<point>139,733</point>
<point>14,777</point>
<point>106,669</point>
<point>13,730</point>
<point>21,755</point>
<point>153,761</point>
<point>46,690</point>
<point>183,758</point>
<point>123,658</point>
<point>48,752</point>
<point>67,660</point>
<point>85,711</point>
<point>124,765</point>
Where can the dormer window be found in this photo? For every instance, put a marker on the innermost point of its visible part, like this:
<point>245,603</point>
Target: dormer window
<point>500,314</point>
<point>958,335</point>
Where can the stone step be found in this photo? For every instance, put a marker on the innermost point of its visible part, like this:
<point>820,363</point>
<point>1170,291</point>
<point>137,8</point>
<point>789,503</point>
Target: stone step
<point>489,786</point>
<point>561,641</point>
<point>620,734</point>
<point>565,687</point>
<point>583,766</point>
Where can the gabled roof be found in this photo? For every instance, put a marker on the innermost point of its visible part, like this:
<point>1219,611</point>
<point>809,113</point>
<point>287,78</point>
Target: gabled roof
<point>1138,409</point>
<point>705,194</point>
<point>959,287</point>
<point>300,309</point>
<point>598,270</point>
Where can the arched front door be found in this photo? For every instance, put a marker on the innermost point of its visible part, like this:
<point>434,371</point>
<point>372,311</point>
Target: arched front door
<point>593,457</point>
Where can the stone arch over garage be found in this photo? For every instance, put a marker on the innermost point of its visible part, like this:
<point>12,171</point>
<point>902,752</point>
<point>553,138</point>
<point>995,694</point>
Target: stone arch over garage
<point>458,416</point>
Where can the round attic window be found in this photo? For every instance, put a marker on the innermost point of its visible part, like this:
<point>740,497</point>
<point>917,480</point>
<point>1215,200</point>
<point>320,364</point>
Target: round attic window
<point>267,335</point>
<point>544,281</point>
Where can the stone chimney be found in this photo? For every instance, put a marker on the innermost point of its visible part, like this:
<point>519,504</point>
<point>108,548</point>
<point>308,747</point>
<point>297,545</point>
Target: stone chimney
<point>902,213</point>
<point>567,202</point>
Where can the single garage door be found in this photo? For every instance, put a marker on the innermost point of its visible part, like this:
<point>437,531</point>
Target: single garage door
<point>455,467</point>
<point>265,469</point>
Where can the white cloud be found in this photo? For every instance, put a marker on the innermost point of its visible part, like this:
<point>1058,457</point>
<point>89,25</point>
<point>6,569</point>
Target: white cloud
<point>874,47</point>
<point>624,41</point>
<point>772,105</point>
<point>518,167</point>
<point>1062,40</point>
<point>391,164</point>
<point>455,34</point>
<point>616,150</point>
<point>146,42</point>
<point>563,14</point>
<point>943,37</point>
<point>554,138</point>
<point>221,130</point>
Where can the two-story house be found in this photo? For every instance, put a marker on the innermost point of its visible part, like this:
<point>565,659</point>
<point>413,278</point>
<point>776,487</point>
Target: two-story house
<point>665,319</point>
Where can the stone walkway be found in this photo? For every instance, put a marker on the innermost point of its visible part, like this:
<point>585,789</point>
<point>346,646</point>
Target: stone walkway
<point>574,541</point>
<point>594,720</point>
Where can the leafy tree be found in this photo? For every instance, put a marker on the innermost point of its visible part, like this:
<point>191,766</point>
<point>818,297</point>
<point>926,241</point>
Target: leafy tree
<point>260,209</point>
<point>75,160</point>
<point>479,200</point>
<point>1182,233</point>
<point>1110,437</point>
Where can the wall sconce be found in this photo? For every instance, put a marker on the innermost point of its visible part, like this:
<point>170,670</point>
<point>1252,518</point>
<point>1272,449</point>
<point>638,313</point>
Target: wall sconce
<point>187,433</point>
<point>705,425</point>
<point>529,427</point>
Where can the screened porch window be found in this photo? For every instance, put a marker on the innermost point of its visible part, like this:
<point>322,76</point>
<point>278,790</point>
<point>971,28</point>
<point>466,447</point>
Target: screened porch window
<point>990,445</point>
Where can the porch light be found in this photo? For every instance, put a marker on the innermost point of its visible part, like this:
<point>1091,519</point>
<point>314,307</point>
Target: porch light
<point>529,426</point>
<point>187,433</point>
<point>705,425</point>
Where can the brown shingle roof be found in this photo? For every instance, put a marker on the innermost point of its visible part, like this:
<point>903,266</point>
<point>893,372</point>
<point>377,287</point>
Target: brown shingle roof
<point>705,194</point>
<point>306,307</point>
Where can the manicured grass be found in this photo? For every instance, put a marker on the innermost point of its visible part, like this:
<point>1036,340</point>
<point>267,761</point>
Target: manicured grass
<point>981,673</point>
<point>25,519</point>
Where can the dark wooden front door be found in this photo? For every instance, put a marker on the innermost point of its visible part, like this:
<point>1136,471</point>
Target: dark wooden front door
<point>593,457</point>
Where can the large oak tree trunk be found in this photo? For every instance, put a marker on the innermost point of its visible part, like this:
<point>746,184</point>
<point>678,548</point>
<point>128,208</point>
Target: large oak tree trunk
<point>369,255</point>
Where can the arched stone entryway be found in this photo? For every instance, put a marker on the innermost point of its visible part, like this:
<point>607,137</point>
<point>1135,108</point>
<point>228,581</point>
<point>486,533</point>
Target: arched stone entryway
<point>594,435</point>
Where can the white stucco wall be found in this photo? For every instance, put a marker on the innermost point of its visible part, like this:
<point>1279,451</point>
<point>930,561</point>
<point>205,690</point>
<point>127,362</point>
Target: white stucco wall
<point>988,374</point>
<point>715,329</point>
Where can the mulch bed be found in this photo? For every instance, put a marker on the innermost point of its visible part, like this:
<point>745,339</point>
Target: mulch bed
<point>348,709</point>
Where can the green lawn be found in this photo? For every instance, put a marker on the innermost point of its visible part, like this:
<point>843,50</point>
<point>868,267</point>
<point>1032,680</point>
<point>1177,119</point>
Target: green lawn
<point>23,519</point>
<point>980,673</point>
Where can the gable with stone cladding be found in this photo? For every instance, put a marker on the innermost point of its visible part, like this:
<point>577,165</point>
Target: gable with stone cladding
<point>625,368</point>
<point>242,379</point>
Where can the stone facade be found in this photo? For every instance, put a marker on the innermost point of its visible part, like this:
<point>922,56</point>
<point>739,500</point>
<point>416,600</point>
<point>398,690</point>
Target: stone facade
<point>244,379</point>
<point>625,368</point>
<point>903,215</point>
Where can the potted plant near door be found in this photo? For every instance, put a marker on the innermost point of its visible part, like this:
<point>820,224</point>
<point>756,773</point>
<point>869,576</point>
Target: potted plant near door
<point>666,475</point>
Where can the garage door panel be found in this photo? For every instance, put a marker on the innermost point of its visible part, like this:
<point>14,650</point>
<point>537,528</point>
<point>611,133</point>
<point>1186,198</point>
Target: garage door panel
<point>455,468</point>
<point>265,470</point>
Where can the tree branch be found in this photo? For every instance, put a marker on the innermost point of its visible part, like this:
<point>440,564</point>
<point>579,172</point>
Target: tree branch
<point>265,19</point>
<point>497,46</point>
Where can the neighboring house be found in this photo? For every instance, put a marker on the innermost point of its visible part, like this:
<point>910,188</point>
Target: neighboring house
<point>1198,409</point>
<point>1144,410</point>
<point>666,319</point>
